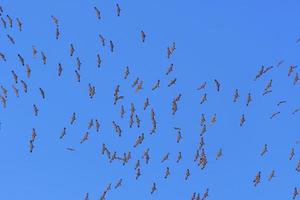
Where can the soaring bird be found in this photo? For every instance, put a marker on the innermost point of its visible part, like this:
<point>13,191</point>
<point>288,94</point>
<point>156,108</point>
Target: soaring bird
<point>202,86</point>
<point>15,76</point>
<point>242,120</point>
<point>98,60</point>
<point>143,36</point>
<point>166,157</point>
<point>153,189</point>
<point>77,76</point>
<point>256,180</point>
<point>203,98</point>
<point>126,72</point>
<point>42,92</point>
<point>21,59</point>
<point>170,69</point>
<point>4,91</point>
<point>97,125</point>
<point>16,91</point>
<point>167,172</point>
<point>28,71</point>
<point>78,63</point>
<point>296,79</point>
<point>295,193</point>
<point>187,174</point>
<point>19,23</point>
<point>118,9</point>
<point>86,197</point>
<point>274,114</point>
<point>172,82</point>
<point>73,118</point>
<point>272,175</point>
<point>219,154</point>
<point>63,133</point>
<point>31,146</point>
<point>34,51</point>
<point>236,95</point>
<point>146,103</point>
<point>24,86</point>
<point>98,14</point>
<point>111,45</point>
<point>156,85</point>
<point>119,183</point>
<point>122,111</point>
<point>59,69</point>
<point>35,110</point>
<point>249,99</point>
<point>3,100</point>
<point>44,58</point>
<point>265,150</point>
<point>11,39</point>
<point>10,21</point>
<point>291,69</point>
<point>72,49</point>
<point>217,85</point>
<point>84,137</point>
<point>179,157</point>
<point>57,33</point>
<point>2,57</point>
<point>292,154</point>
<point>55,20</point>
<point>3,22</point>
<point>102,39</point>
<point>280,102</point>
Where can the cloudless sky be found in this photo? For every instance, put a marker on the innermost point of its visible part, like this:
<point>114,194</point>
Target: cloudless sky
<point>224,40</point>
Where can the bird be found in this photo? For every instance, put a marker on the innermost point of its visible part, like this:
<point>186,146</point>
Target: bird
<point>21,59</point>
<point>280,102</point>
<point>98,14</point>
<point>16,91</point>
<point>31,146</point>
<point>167,172</point>
<point>34,51</point>
<point>111,44</point>
<point>84,137</point>
<point>24,86</point>
<point>59,69</point>
<point>102,39</point>
<point>73,118</point>
<point>57,33</point>
<point>20,24</point>
<point>35,110</point>
<point>99,61</point>
<point>274,114</point>
<point>2,57</point>
<point>11,39</point>
<point>249,99</point>
<point>265,150</point>
<point>202,86</point>
<point>77,76</point>
<point>271,175</point>
<point>78,63</point>
<point>170,69</point>
<point>203,98</point>
<point>118,9</point>
<point>44,58</point>
<point>291,69</point>
<point>126,72</point>
<point>54,19</point>
<point>218,85</point>
<point>280,63</point>
<point>296,79</point>
<point>256,180</point>
<point>292,154</point>
<point>63,133</point>
<point>3,100</point>
<point>295,193</point>
<point>242,120</point>
<point>166,157</point>
<point>179,157</point>
<point>187,174</point>
<point>3,22</point>
<point>10,21</point>
<point>156,85</point>
<point>70,149</point>
<point>236,95</point>
<point>28,71</point>
<point>15,76</point>
<point>143,36</point>
<point>172,82</point>
<point>86,197</point>
<point>219,154</point>
<point>119,183</point>
<point>97,125</point>
<point>42,92</point>
<point>72,50</point>
<point>153,189</point>
<point>146,103</point>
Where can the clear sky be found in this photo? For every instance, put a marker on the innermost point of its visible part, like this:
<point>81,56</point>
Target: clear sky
<point>224,40</point>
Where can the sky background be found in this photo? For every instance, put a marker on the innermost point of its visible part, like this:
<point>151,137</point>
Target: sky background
<point>224,40</point>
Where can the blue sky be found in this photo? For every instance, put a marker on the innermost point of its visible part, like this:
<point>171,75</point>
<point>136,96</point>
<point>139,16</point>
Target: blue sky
<point>228,41</point>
